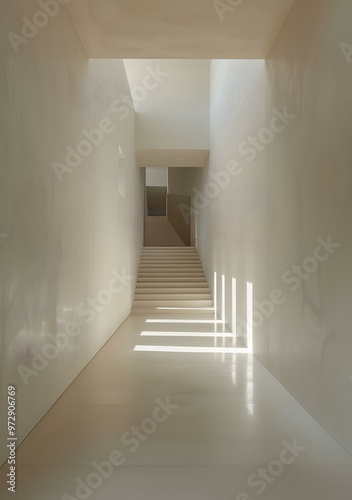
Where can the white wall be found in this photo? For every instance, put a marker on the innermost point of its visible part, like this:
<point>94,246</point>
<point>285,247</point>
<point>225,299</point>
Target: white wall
<point>175,114</point>
<point>156,176</point>
<point>63,239</point>
<point>297,189</point>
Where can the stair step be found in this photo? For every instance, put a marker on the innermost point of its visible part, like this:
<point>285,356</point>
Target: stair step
<point>173,296</point>
<point>175,291</point>
<point>176,278</point>
<point>174,253</point>
<point>197,269</point>
<point>171,275</point>
<point>156,266</point>
<point>181,257</point>
<point>169,251</point>
<point>204,312</point>
<point>173,270</point>
<point>174,284</point>
<point>166,263</point>
<point>174,303</point>
<point>166,260</point>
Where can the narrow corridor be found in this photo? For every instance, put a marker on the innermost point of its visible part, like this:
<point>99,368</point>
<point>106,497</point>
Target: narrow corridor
<point>175,250</point>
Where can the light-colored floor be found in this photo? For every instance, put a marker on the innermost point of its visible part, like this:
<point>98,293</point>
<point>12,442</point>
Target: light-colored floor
<point>226,421</point>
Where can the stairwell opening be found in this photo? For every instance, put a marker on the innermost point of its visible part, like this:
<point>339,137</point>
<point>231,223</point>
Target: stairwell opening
<point>167,219</point>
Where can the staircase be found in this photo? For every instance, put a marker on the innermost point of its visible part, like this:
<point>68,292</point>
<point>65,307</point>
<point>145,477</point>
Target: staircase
<point>159,233</point>
<point>171,278</point>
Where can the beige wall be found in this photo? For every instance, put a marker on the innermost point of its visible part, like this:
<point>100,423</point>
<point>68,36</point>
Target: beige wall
<point>182,180</point>
<point>61,241</point>
<point>282,199</point>
<point>172,111</point>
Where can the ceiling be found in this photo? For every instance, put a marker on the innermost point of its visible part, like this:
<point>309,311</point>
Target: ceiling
<point>188,158</point>
<point>182,29</point>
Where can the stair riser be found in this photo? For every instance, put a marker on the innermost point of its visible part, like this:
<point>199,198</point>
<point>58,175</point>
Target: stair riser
<point>173,291</point>
<point>170,261</point>
<point>154,277</point>
<point>173,296</point>
<point>174,286</point>
<point>182,251</point>
<point>156,267</point>
<point>159,262</point>
<point>205,313</point>
<point>173,303</point>
<point>170,280</point>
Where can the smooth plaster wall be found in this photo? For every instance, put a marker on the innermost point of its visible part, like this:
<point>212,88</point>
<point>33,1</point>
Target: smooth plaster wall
<point>182,180</point>
<point>297,189</point>
<point>175,114</point>
<point>62,240</point>
<point>156,176</point>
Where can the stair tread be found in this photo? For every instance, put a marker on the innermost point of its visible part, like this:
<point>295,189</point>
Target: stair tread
<point>174,291</point>
<point>175,303</point>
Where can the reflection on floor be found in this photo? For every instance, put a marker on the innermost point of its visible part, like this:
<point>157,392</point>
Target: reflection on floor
<point>168,410</point>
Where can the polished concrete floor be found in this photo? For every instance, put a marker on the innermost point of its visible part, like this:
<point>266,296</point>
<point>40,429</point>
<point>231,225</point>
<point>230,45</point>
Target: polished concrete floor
<point>168,410</point>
